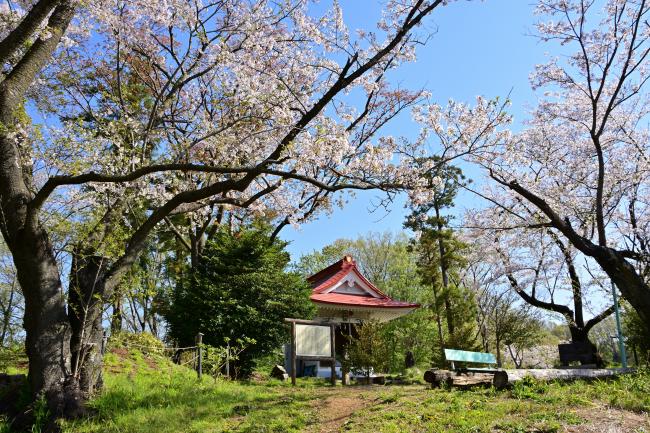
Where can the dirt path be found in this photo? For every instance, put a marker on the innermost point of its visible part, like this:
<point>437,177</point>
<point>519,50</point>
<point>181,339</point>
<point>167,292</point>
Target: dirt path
<point>333,410</point>
<point>334,407</point>
<point>602,419</point>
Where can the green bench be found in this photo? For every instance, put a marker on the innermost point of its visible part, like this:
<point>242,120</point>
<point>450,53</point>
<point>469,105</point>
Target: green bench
<point>471,358</point>
<point>438,377</point>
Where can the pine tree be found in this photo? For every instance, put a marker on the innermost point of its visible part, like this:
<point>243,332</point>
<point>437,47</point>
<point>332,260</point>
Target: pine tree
<point>440,256</point>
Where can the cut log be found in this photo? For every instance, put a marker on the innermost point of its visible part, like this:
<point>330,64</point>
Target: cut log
<point>439,378</point>
<point>500,379</point>
<point>566,373</point>
<point>472,380</point>
<point>509,377</point>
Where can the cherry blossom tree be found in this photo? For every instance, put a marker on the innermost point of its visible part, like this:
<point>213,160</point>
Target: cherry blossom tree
<point>535,262</point>
<point>581,161</point>
<point>167,108</point>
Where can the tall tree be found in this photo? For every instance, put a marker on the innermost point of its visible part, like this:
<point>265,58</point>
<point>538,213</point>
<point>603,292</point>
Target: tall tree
<point>441,258</point>
<point>172,107</point>
<point>538,265</point>
<point>511,325</point>
<point>582,160</point>
<point>428,220</point>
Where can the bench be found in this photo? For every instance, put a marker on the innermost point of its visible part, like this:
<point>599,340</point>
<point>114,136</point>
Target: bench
<point>471,358</point>
<point>453,378</point>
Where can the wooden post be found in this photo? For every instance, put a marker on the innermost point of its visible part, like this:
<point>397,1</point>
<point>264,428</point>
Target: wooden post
<point>293,353</point>
<point>228,359</point>
<point>345,374</point>
<point>199,355</point>
<point>332,342</point>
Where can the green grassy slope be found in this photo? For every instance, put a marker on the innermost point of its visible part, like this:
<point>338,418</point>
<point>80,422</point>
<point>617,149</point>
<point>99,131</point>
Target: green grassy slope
<point>150,394</point>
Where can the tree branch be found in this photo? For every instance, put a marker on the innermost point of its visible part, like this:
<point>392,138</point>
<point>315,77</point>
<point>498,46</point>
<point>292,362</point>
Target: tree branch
<point>26,29</point>
<point>597,319</point>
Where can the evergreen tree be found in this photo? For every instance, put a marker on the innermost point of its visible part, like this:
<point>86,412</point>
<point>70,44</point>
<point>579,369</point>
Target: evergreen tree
<point>637,336</point>
<point>440,257</point>
<point>239,289</point>
<point>368,351</point>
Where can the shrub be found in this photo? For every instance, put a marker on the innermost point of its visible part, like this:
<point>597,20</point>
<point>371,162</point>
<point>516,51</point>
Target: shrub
<point>144,342</point>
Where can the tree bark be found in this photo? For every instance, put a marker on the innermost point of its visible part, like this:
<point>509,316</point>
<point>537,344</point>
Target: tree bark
<point>498,349</point>
<point>86,299</point>
<point>116,316</point>
<point>46,326</point>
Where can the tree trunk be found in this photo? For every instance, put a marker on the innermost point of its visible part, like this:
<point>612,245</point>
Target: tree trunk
<point>441,337</point>
<point>6,322</point>
<point>444,272</point>
<point>581,335</point>
<point>86,299</point>
<point>46,325</point>
<point>632,286</point>
<point>498,348</point>
<point>116,316</point>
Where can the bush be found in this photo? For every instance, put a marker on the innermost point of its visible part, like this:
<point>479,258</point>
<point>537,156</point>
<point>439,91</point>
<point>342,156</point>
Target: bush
<point>144,342</point>
<point>12,357</point>
<point>239,290</point>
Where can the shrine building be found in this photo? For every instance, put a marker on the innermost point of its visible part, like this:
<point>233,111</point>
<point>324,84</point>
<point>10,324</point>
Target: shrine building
<point>344,297</point>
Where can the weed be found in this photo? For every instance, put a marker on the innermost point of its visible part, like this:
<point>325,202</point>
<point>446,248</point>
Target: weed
<point>41,415</point>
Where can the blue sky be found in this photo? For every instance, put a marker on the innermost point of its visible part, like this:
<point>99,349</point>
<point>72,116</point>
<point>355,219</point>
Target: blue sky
<point>479,48</point>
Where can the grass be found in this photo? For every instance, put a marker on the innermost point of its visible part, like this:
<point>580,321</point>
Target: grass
<point>147,394</point>
<point>530,406</point>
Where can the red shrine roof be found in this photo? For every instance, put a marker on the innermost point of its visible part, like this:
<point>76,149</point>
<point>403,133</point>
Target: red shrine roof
<point>343,285</point>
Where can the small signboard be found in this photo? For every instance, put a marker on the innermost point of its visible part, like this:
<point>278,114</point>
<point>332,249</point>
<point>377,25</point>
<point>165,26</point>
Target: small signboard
<point>313,340</point>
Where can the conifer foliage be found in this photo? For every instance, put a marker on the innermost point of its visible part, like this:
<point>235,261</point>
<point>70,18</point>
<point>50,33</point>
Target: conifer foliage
<point>239,289</point>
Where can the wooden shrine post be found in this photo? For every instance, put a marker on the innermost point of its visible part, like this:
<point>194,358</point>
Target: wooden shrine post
<point>293,353</point>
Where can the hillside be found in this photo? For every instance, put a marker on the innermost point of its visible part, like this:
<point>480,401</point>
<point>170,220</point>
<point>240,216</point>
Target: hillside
<point>146,393</point>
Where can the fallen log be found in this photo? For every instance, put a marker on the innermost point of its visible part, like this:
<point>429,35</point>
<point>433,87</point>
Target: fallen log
<point>438,378</point>
<point>545,374</point>
<point>505,378</point>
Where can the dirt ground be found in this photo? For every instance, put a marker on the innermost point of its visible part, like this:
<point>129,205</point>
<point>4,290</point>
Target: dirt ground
<point>339,404</point>
<point>609,420</point>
